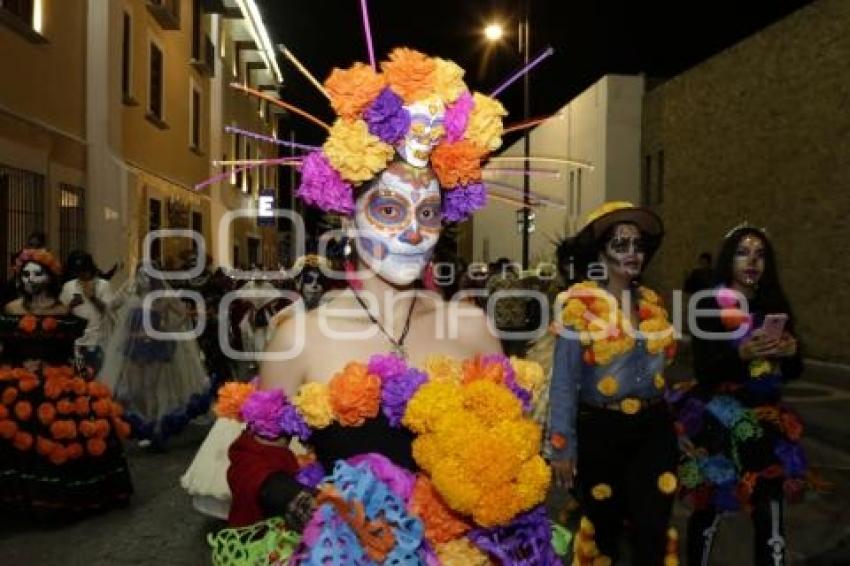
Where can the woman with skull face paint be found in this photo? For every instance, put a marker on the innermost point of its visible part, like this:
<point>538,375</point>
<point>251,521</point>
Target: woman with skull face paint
<point>608,423</point>
<point>742,444</point>
<point>423,450</point>
<point>60,449</point>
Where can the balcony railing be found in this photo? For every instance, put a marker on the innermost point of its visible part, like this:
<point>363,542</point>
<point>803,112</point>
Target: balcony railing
<point>206,64</point>
<point>165,12</point>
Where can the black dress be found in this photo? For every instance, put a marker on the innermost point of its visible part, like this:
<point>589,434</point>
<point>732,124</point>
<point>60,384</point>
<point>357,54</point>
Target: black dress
<point>60,449</point>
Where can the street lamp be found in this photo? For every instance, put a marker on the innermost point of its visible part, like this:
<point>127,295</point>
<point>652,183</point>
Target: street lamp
<point>493,33</point>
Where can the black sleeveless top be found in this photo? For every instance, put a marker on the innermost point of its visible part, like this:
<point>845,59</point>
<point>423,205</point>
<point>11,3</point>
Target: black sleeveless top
<point>337,442</point>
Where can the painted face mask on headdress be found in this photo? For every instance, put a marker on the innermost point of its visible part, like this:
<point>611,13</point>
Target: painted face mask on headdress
<point>425,132</point>
<point>398,222</point>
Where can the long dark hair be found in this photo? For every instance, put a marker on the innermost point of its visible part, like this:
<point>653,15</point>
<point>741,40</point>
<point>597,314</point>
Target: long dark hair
<point>576,254</point>
<point>769,295</point>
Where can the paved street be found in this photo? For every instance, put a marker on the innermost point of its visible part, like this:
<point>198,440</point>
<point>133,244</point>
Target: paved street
<point>160,527</point>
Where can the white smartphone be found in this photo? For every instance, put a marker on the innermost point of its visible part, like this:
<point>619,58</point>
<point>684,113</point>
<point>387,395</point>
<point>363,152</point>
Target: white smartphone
<point>774,325</point>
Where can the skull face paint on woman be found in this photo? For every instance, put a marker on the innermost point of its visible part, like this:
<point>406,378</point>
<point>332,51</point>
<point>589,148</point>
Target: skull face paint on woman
<point>34,278</point>
<point>625,251</point>
<point>398,222</point>
<point>426,131</point>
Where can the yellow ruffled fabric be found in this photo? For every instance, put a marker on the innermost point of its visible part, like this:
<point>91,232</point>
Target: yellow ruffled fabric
<point>355,153</point>
<point>485,122</point>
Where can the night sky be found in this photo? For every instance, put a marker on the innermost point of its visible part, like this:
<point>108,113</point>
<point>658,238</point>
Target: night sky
<point>590,37</point>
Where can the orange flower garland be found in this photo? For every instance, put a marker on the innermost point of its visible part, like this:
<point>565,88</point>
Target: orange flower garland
<point>355,394</point>
<point>28,324</point>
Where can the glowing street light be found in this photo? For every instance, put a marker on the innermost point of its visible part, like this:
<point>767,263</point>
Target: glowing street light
<point>494,32</point>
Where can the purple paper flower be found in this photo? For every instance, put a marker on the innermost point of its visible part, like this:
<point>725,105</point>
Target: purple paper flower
<point>792,458</point>
<point>262,411</point>
<point>525,540</point>
<point>397,391</point>
<point>292,423</point>
<point>459,203</point>
<point>322,187</point>
<point>310,475</point>
<point>457,117</point>
<point>387,118</point>
<point>387,366</point>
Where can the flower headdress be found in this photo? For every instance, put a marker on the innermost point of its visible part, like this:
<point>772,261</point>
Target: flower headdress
<point>416,105</point>
<point>39,256</point>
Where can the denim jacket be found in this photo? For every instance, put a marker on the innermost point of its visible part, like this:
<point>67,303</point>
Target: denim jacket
<point>638,374</point>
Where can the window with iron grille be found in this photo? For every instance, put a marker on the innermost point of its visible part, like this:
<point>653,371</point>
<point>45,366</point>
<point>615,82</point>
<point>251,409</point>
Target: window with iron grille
<point>72,219</point>
<point>22,204</point>
<point>21,9</point>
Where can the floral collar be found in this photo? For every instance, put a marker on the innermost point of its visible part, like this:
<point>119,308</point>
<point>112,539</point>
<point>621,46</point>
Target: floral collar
<point>606,334</point>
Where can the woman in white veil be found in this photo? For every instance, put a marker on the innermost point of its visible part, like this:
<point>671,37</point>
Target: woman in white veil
<point>161,382</point>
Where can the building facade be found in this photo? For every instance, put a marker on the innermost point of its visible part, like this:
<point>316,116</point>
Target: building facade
<point>117,112</point>
<point>761,133</point>
<point>600,131</point>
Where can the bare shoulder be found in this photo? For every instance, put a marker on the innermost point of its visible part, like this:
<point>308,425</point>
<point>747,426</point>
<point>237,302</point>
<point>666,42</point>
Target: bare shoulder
<point>286,360</point>
<point>15,307</point>
<point>473,329</point>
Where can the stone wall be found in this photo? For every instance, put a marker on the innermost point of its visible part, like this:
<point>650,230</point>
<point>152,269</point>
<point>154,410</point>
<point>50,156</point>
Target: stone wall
<point>761,132</point>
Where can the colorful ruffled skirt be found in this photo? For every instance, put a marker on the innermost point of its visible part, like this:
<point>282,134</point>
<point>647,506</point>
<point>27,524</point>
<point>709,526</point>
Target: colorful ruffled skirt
<point>734,438</point>
<point>60,447</point>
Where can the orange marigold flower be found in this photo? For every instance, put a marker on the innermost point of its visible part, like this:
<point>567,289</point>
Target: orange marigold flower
<point>97,389</point>
<point>102,407</point>
<point>59,455</point>
<point>23,441</point>
<point>23,410</point>
<point>28,324</point>
<point>74,450</point>
<point>116,409</point>
<point>95,446</point>
<point>87,428</point>
<point>122,428</point>
<point>46,413</point>
<point>49,324</point>
<point>102,428</point>
<point>81,405</point>
<point>63,428</point>
<point>410,74</point>
<point>78,386</point>
<point>355,394</point>
<point>475,369</point>
<point>53,388</point>
<point>65,407</point>
<point>457,163</point>
<point>44,446</point>
<point>352,90</point>
<point>8,428</point>
<point>441,523</point>
<point>9,395</point>
<point>231,397</point>
<point>27,384</point>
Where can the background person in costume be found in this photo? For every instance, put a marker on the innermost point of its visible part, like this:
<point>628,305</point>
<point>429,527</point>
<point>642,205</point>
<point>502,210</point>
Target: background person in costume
<point>60,453</point>
<point>161,382</point>
<point>411,465</point>
<point>742,443</point>
<point>88,297</point>
<point>608,420</point>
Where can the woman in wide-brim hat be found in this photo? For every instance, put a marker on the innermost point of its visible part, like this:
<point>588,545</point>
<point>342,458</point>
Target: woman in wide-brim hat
<point>609,424</point>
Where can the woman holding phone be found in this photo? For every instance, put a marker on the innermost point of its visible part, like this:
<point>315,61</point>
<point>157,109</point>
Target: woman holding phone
<point>741,444</point>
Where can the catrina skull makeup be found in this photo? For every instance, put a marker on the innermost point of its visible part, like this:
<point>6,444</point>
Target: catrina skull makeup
<point>625,252</point>
<point>34,278</point>
<point>312,287</point>
<point>398,222</point>
<point>748,264</point>
<point>425,132</point>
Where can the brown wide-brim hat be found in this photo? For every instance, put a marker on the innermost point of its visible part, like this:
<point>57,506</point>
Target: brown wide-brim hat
<point>617,212</point>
